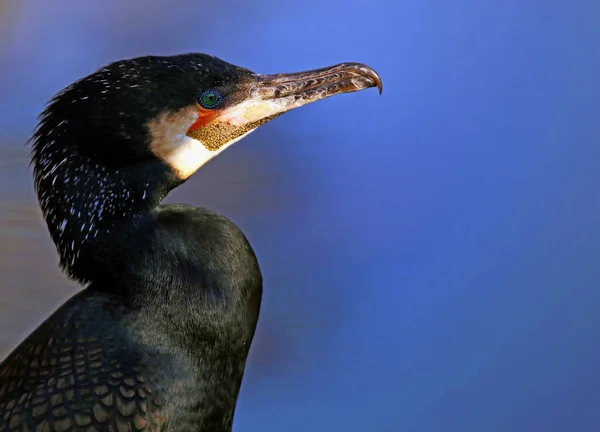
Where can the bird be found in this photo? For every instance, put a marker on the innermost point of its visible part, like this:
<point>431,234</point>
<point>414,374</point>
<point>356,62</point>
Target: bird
<point>159,335</point>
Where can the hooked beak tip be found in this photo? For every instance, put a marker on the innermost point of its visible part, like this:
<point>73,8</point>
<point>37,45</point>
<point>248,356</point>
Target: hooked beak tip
<point>376,79</point>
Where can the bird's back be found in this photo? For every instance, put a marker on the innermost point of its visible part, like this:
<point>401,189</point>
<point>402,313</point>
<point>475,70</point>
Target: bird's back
<point>80,370</point>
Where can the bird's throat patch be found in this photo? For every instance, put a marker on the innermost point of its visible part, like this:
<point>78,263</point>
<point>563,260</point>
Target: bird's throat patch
<point>215,134</point>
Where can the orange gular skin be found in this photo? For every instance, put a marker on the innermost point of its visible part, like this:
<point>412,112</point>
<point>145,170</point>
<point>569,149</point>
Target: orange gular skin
<point>205,116</point>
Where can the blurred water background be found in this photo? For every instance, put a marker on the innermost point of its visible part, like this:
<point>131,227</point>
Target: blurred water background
<point>431,256</point>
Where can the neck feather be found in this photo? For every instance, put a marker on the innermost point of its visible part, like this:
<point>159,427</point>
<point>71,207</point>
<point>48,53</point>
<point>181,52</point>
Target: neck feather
<point>83,202</point>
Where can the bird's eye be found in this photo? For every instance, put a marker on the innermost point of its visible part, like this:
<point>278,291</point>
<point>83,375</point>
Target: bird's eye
<point>210,98</point>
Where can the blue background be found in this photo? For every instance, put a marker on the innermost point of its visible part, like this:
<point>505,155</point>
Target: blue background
<point>430,256</point>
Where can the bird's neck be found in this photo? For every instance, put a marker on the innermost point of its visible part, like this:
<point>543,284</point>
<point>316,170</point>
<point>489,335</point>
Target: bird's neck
<point>86,204</point>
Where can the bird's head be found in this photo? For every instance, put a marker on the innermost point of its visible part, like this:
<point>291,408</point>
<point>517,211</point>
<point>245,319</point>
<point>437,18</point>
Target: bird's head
<point>115,142</point>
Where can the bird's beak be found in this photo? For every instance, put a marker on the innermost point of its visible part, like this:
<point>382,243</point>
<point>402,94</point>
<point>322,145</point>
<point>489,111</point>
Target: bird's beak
<point>272,95</point>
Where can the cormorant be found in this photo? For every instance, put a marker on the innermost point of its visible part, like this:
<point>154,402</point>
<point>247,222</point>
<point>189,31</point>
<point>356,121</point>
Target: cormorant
<point>159,337</point>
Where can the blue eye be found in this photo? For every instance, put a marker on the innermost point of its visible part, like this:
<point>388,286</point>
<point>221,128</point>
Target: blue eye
<point>210,98</point>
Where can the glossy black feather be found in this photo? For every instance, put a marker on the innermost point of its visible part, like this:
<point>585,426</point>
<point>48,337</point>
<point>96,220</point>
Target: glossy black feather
<point>80,369</point>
